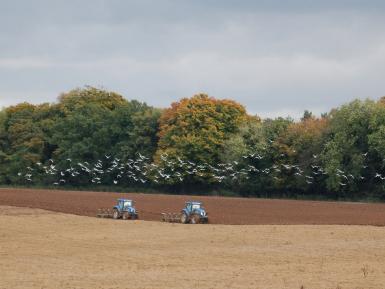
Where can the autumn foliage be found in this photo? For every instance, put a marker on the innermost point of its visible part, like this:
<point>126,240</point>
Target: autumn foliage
<point>337,155</point>
<point>196,128</point>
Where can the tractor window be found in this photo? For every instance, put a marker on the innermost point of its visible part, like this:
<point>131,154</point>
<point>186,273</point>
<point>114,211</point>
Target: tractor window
<point>196,206</point>
<point>127,204</point>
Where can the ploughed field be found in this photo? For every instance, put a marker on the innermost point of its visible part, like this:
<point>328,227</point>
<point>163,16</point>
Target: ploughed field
<point>221,210</point>
<point>45,249</point>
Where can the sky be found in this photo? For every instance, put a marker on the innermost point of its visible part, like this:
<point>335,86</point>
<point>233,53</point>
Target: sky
<point>277,58</point>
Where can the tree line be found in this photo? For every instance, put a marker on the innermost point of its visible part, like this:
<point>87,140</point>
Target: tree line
<point>92,137</point>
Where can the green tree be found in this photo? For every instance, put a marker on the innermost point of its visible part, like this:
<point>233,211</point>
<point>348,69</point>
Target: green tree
<point>25,137</point>
<point>93,126</point>
<point>3,147</point>
<point>249,138</point>
<point>345,155</point>
<point>300,145</point>
<point>81,97</point>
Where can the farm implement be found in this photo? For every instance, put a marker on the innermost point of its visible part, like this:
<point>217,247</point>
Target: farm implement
<point>193,213</point>
<point>123,209</point>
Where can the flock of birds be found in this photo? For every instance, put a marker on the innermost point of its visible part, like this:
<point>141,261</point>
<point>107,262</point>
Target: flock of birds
<point>111,170</point>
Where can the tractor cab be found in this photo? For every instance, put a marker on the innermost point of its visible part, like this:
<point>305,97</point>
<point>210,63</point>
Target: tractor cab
<point>125,203</point>
<point>190,206</point>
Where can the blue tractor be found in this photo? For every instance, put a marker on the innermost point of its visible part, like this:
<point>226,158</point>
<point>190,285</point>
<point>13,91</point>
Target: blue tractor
<point>125,209</point>
<point>193,213</point>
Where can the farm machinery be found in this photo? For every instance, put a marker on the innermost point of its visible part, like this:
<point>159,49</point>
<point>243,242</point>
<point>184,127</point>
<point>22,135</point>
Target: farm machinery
<point>193,213</point>
<point>123,209</point>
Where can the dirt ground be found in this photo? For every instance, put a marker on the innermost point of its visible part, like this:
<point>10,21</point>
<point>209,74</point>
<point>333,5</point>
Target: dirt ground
<point>242,211</point>
<point>43,249</point>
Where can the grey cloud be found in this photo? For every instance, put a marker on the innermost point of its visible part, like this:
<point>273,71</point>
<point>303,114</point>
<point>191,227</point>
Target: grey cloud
<point>272,56</point>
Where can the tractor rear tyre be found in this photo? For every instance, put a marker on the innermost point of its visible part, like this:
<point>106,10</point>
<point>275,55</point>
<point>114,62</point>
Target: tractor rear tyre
<point>195,219</point>
<point>184,218</point>
<point>115,214</point>
<point>125,216</point>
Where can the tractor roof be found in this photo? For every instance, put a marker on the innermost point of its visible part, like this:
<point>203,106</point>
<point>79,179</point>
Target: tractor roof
<point>194,202</point>
<point>124,200</point>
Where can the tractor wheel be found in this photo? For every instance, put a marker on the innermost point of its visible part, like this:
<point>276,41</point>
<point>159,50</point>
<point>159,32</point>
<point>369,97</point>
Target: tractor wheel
<point>115,214</point>
<point>184,218</point>
<point>195,219</point>
<point>134,217</point>
<point>125,216</point>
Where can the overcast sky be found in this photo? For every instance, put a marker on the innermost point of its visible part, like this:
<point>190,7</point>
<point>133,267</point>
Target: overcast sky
<point>274,57</point>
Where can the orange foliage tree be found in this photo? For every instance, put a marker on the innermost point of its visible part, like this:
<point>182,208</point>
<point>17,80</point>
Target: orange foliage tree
<point>195,128</point>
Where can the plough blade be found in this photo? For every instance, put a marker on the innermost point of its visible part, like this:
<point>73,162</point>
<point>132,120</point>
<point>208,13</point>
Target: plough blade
<point>104,213</point>
<point>171,217</point>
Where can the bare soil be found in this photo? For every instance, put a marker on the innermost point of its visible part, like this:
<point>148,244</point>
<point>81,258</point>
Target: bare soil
<point>221,210</point>
<point>43,249</point>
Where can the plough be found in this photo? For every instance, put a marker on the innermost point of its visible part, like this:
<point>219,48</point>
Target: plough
<point>171,217</point>
<point>104,213</point>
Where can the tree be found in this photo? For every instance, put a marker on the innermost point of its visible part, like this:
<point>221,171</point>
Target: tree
<point>82,97</point>
<point>247,139</point>
<point>345,152</point>
<point>25,136</point>
<point>307,115</point>
<point>301,144</point>
<point>3,147</point>
<point>134,126</point>
<point>196,129</point>
<point>94,125</point>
